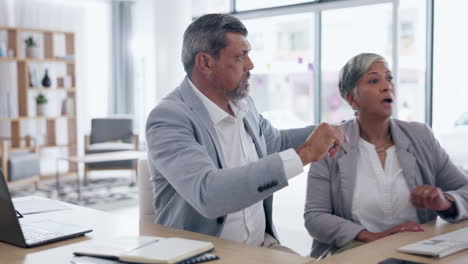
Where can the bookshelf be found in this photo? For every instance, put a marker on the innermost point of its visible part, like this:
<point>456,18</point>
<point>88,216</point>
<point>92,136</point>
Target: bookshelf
<point>55,52</point>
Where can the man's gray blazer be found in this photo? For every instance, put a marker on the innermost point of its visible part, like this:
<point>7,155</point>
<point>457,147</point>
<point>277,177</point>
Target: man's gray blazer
<point>330,187</point>
<point>193,189</point>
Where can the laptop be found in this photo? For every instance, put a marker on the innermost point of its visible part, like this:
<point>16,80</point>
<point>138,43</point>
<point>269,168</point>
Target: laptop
<point>439,246</point>
<point>25,231</point>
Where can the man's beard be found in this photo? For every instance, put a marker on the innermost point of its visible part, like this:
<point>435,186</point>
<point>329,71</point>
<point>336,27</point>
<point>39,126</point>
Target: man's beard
<point>240,92</point>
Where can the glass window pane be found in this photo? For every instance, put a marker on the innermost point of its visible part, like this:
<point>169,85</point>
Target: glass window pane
<point>346,33</point>
<point>450,110</point>
<point>282,86</point>
<point>282,82</point>
<point>202,7</point>
<point>243,5</point>
<point>410,91</point>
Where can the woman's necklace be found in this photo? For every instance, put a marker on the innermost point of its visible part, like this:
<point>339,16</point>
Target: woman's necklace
<point>386,145</point>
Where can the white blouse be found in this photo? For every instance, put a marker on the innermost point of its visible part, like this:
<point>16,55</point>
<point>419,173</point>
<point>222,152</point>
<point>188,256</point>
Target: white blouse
<point>381,197</point>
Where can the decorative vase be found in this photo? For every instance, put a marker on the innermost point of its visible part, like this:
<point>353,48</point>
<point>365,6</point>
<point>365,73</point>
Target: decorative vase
<point>41,109</point>
<point>3,51</point>
<point>46,80</point>
<point>32,52</point>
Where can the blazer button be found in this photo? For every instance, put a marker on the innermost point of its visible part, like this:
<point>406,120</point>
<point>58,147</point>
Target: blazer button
<point>274,183</point>
<point>260,189</point>
<point>220,220</point>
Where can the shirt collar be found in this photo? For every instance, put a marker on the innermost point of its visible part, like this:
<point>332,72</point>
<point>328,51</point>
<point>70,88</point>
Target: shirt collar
<point>216,113</point>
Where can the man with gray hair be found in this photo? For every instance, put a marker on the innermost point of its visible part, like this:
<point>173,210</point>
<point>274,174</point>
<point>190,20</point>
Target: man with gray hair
<point>215,161</point>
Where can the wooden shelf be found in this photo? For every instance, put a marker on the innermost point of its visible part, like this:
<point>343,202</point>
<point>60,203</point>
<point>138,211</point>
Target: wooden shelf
<point>35,30</point>
<point>33,60</point>
<point>47,146</point>
<point>8,59</point>
<point>52,89</point>
<point>23,105</point>
<point>57,146</point>
<point>36,117</point>
<point>52,117</point>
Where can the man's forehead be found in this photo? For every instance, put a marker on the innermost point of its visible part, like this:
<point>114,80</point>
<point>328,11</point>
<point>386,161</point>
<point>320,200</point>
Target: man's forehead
<point>237,39</point>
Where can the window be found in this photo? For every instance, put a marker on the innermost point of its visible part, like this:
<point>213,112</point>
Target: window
<point>201,7</point>
<point>345,33</point>
<point>244,5</point>
<point>282,82</point>
<point>449,94</point>
<point>282,86</point>
<point>410,90</point>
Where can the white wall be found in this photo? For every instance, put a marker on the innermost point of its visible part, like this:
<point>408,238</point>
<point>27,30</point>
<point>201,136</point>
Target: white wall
<point>172,18</point>
<point>159,27</point>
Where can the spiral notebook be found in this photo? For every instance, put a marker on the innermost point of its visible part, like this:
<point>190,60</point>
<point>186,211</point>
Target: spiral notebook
<point>92,260</point>
<point>203,258</point>
<point>146,249</point>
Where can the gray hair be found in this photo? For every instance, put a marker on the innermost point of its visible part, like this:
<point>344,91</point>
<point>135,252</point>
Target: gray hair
<point>354,69</point>
<point>207,34</point>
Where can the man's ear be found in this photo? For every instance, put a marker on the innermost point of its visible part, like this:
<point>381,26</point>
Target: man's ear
<point>350,98</point>
<point>204,62</point>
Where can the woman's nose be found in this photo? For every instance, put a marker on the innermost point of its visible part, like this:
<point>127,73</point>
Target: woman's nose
<point>387,86</point>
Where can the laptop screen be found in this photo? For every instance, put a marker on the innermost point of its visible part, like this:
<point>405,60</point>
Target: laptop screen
<point>10,229</point>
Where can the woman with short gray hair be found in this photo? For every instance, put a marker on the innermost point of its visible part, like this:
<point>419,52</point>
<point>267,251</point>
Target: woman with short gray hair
<point>354,70</point>
<point>390,177</point>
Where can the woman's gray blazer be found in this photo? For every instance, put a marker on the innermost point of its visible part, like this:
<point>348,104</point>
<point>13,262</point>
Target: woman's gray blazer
<point>330,185</point>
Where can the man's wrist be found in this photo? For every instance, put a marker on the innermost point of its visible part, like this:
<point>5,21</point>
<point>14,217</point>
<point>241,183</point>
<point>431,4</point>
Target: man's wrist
<point>302,155</point>
<point>452,210</point>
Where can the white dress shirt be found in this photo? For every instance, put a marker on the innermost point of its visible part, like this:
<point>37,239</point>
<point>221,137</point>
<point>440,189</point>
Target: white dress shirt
<point>381,197</point>
<point>247,225</point>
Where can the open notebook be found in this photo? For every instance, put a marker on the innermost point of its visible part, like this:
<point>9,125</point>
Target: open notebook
<point>145,249</point>
<point>439,246</point>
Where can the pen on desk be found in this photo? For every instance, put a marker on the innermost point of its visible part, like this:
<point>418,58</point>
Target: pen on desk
<point>323,254</point>
<point>18,214</point>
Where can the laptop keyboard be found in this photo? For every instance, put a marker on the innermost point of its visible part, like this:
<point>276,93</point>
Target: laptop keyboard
<point>32,234</point>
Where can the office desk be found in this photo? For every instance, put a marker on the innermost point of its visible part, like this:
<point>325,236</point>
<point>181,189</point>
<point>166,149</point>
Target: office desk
<point>379,250</point>
<point>106,225</point>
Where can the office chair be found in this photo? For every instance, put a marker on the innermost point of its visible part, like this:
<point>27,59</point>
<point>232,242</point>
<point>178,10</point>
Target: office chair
<point>145,194</point>
<point>20,165</point>
<point>107,135</point>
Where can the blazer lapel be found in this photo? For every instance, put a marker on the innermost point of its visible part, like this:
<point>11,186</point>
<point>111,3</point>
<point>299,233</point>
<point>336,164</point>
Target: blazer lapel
<point>408,162</point>
<point>406,159</point>
<point>261,150</point>
<point>347,165</point>
<point>193,102</point>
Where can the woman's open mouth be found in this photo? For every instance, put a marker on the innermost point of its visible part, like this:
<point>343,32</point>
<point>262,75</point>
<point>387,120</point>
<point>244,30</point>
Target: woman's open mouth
<point>387,101</point>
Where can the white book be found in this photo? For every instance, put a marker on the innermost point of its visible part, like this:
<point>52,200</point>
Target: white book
<point>439,246</point>
<point>145,249</point>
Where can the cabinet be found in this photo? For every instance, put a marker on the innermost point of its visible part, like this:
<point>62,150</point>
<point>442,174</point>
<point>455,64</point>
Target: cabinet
<point>21,75</point>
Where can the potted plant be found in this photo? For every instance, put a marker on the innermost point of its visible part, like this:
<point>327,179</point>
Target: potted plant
<point>41,103</point>
<point>32,50</point>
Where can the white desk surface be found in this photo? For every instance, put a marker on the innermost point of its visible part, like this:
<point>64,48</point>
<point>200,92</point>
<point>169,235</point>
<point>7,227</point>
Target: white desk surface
<point>108,225</point>
<point>373,253</point>
<point>108,156</point>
